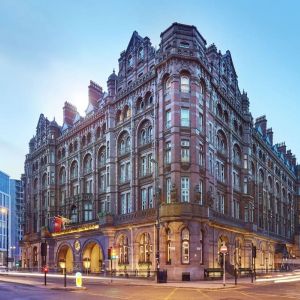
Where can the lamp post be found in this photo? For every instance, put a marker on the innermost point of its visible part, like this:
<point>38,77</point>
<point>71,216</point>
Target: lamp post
<point>62,264</point>
<point>157,218</point>
<point>87,264</point>
<point>4,210</point>
<point>223,250</point>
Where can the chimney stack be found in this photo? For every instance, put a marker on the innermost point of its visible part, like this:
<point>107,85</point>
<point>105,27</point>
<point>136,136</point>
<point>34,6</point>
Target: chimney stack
<point>262,123</point>
<point>270,135</point>
<point>69,113</point>
<point>95,93</point>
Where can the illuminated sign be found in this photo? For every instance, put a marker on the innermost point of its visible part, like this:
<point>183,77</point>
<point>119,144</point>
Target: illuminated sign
<point>77,229</point>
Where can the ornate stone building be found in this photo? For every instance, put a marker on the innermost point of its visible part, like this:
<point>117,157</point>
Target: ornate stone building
<point>172,144</point>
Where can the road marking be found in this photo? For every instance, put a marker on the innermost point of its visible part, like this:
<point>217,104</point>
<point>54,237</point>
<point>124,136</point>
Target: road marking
<point>98,294</point>
<point>171,294</point>
<point>245,294</point>
<point>203,294</point>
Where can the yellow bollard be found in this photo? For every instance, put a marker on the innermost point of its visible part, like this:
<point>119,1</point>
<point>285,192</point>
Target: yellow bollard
<point>78,279</point>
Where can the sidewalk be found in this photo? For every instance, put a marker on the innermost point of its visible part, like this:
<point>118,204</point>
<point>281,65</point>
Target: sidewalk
<point>31,279</point>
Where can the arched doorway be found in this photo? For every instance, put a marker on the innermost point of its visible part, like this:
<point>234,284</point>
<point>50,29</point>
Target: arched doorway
<point>93,252</point>
<point>66,253</point>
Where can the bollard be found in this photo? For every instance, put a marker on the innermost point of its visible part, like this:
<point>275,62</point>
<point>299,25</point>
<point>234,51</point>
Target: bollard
<point>235,276</point>
<point>78,277</point>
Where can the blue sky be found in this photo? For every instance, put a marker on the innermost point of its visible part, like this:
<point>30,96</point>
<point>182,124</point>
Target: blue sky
<point>49,50</point>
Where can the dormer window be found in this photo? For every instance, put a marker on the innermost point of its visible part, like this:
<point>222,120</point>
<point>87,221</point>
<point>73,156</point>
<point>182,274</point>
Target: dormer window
<point>130,61</point>
<point>141,53</point>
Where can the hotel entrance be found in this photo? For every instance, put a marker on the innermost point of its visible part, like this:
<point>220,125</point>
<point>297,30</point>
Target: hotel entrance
<point>92,257</point>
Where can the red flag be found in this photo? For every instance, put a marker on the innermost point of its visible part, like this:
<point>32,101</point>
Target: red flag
<point>57,224</point>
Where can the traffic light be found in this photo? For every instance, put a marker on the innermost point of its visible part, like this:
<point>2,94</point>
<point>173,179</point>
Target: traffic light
<point>113,253</point>
<point>109,253</point>
<point>45,269</point>
<point>253,251</point>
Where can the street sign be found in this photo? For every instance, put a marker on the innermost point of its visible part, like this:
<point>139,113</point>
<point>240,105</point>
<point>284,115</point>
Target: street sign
<point>11,259</point>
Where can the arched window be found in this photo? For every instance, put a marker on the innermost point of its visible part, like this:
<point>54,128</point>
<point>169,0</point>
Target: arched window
<point>87,164</point>
<point>35,184</point>
<point>145,133</point>
<point>141,53</point>
<point>71,148</point>
<point>98,133</point>
<point>74,214</point>
<point>123,250</point>
<point>237,156</point>
<point>59,155</point>
<point>225,116</point>
<point>139,104</point>
<point>261,176</point>
<point>235,125</point>
<point>130,61</point>
<point>145,248</point>
<point>83,141</point>
<point>63,153</point>
<point>62,176</point>
<point>168,237</point>
<point>75,146</point>
<point>88,211</point>
<point>167,86</point>
<point>185,246</point>
<point>185,84</point>
<point>44,181</point>
<point>124,143</point>
<point>241,130</point>
<point>101,157</point>
<point>89,137</point>
<point>74,170</point>
<point>277,189</point>
<point>126,113</point>
<point>128,144</point>
<point>219,110</point>
<point>118,117</point>
<point>270,183</point>
<point>221,142</point>
<point>143,137</point>
<point>149,135</point>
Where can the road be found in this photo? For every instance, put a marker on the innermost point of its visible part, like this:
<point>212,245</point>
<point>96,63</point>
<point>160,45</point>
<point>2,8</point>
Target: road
<point>12,288</point>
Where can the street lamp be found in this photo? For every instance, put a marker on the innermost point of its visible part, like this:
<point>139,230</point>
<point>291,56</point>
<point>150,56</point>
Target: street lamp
<point>4,210</point>
<point>87,264</point>
<point>157,218</point>
<point>223,250</point>
<point>62,264</point>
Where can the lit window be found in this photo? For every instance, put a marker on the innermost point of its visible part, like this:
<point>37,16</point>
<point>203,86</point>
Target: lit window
<point>185,246</point>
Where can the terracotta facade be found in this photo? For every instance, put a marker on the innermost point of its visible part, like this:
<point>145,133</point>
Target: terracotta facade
<point>172,142</point>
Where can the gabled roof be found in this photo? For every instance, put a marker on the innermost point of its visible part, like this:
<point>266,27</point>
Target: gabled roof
<point>227,56</point>
<point>135,39</point>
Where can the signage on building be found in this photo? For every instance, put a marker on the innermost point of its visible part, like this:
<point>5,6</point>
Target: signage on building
<point>77,229</point>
